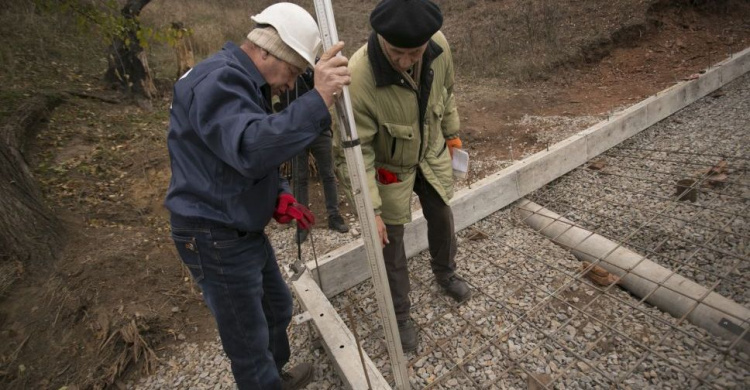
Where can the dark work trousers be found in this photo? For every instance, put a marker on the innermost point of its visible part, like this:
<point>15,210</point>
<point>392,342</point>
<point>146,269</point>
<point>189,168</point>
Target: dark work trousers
<point>321,151</point>
<point>244,289</point>
<point>442,242</point>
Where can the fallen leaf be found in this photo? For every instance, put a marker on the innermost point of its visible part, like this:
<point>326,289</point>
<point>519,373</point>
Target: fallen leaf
<point>538,381</point>
<point>477,235</point>
<point>597,165</point>
<point>685,190</point>
<point>720,167</point>
<point>716,179</point>
<point>692,76</point>
<point>598,275</point>
<point>715,175</point>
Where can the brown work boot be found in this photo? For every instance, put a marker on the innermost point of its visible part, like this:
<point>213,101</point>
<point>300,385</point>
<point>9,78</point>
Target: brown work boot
<point>336,222</point>
<point>456,287</point>
<point>408,334</point>
<point>297,377</point>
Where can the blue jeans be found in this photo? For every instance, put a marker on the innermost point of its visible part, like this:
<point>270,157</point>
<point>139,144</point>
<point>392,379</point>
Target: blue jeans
<point>321,151</point>
<point>244,290</point>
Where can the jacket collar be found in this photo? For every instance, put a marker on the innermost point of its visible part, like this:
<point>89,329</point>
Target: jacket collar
<point>246,63</point>
<point>384,73</point>
<point>252,71</point>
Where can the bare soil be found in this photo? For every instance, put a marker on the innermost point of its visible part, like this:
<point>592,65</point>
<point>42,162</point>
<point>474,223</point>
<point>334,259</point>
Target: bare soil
<point>118,294</point>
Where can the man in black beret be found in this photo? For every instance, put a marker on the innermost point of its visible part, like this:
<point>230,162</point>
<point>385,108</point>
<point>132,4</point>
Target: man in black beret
<point>406,117</point>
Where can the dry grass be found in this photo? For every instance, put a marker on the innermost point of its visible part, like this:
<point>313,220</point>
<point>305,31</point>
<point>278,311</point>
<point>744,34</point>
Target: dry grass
<point>513,40</point>
<point>45,50</point>
<point>516,40</point>
<point>130,343</point>
<point>9,273</point>
<point>527,39</point>
<point>510,39</point>
<point>212,22</point>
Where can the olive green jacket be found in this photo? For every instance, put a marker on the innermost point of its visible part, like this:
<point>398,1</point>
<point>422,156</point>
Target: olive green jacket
<point>387,115</point>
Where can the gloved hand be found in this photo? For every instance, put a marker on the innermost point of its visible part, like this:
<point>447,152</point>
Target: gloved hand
<point>287,209</point>
<point>385,176</point>
<point>453,143</point>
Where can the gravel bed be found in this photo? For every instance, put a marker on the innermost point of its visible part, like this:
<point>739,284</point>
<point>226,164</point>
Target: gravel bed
<point>632,199</point>
<point>533,321</point>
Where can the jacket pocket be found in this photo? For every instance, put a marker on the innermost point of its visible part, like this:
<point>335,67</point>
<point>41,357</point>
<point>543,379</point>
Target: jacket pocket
<point>395,201</point>
<point>404,145</point>
<point>187,247</point>
<point>438,110</point>
<point>437,142</point>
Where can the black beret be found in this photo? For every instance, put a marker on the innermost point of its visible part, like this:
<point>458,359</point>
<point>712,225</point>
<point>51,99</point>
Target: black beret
<point>406,23</point>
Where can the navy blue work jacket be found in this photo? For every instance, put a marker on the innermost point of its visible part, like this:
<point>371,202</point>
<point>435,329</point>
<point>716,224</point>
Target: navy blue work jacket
<point>225,145</point>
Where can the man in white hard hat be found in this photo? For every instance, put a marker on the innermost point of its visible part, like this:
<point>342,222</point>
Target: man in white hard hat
<point>407,121</point>
<point>225,147</point>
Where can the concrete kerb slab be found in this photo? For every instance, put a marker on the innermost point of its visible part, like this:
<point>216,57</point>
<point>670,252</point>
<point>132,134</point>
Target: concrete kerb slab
<point>338,340</point>
<point>347,266</point>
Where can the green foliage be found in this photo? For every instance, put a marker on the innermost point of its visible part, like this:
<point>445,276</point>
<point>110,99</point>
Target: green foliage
<point>105,18</point>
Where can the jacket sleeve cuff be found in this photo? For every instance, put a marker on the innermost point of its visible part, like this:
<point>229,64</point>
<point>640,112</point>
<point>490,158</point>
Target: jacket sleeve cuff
<point>317,104</point>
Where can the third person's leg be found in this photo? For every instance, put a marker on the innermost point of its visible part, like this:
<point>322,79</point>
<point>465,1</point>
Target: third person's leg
<point>321,150</point>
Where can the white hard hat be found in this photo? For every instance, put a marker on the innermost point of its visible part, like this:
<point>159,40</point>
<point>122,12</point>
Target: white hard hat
<point>295,26</point>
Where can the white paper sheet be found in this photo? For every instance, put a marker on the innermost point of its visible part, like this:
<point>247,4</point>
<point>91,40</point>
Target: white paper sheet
<point>460,163</point>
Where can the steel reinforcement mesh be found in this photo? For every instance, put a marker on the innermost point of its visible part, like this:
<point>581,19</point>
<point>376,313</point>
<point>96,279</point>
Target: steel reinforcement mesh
<point>678,194</point>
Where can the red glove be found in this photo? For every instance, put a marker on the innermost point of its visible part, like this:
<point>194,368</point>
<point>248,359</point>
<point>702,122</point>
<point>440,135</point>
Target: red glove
<point>386,177</point>
<point>287,209</point>
<point>453,143</point>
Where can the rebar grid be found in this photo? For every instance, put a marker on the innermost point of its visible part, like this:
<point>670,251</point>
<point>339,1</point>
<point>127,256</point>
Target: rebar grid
<point>656,197</point>
<point>674,327</point>
<point>651,252</point>
<point>518,323</point>
<point>667,198</point>
<point>713,287</point>
<point>705,245</point>
<point>457,339</point>
<point>670,151</point>
<point>593,344</point>
<point>671,174</point>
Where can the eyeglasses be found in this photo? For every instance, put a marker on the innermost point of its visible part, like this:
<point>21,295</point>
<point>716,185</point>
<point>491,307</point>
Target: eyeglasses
<point>293,70</point>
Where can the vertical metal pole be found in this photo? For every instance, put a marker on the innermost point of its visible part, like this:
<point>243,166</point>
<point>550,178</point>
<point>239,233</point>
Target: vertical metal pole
<point>357,175</point>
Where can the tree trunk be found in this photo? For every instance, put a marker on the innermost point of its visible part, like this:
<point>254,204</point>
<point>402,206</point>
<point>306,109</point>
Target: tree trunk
<point>29,231</point>
<point>127,63</point>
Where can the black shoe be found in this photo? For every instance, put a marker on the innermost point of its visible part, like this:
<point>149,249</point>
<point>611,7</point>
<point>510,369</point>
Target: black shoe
<point>408,334</point>
<point>335,222</point>
<point>301,235</point>
<point>456,287</point>
<point>297,377</point>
